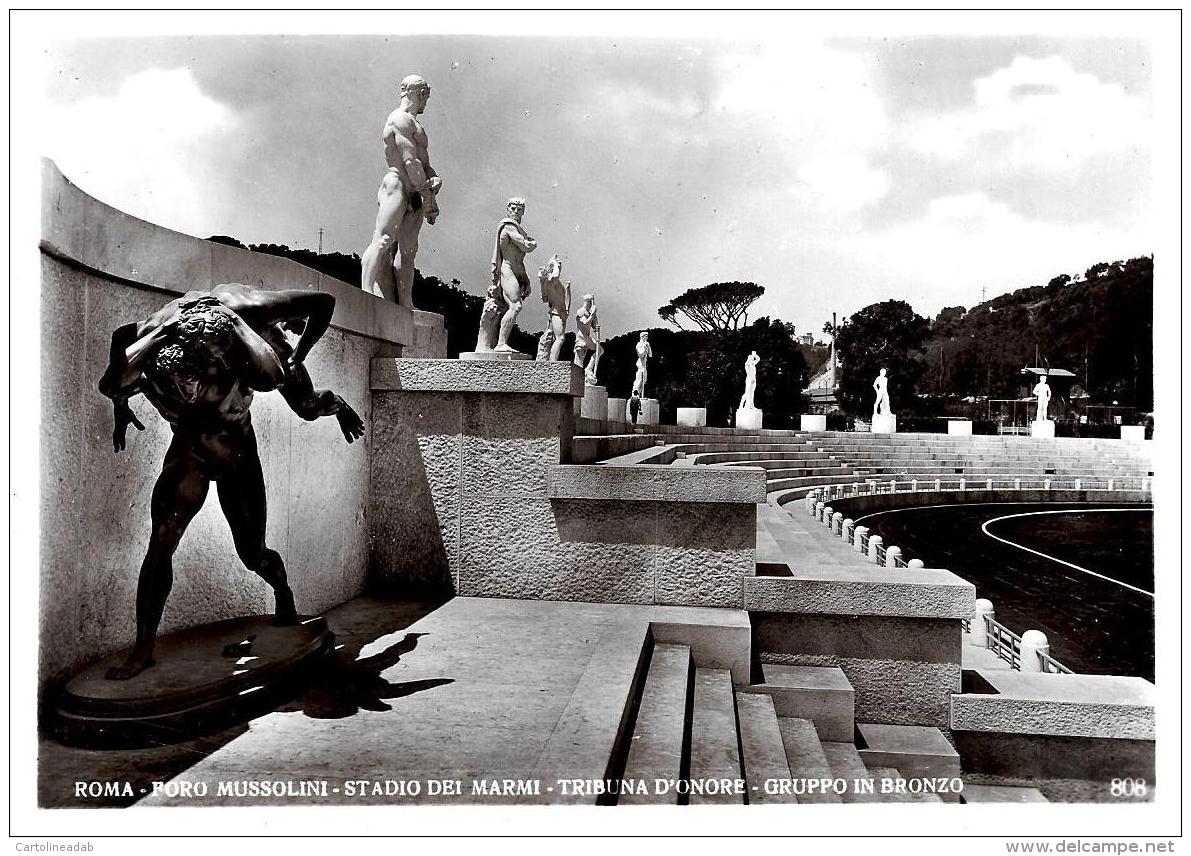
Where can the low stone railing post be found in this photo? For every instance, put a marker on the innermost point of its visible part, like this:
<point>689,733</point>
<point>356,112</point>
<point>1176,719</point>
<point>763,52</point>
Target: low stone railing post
<point>1017,484</point>
<point>1033,643</point>
<point>963,484</point>
<point>1110,483</point>
<point>984,614</point>
<point>837,521</point>
<point>845,530</point>
<point>915,563</point>
<point>858,538</point>
<point>874,544</point>
<point>825,519</point>
<point>892,554</point>
<point>914,485</point>
<point>938,484</point>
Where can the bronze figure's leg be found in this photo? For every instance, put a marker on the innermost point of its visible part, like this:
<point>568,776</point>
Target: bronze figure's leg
<point>178,495</point>
<point>241,495</point>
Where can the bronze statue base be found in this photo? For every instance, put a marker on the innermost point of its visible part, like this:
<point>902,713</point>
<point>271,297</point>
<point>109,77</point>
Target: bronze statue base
<point>203,679</point>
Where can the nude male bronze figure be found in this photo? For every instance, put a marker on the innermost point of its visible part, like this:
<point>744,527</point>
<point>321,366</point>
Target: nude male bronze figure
<point>198,360</point>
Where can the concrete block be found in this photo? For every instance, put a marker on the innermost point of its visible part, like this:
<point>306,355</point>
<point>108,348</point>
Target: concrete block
<point>820,694</point>
<point>1043,429</point>
<point>695,417</point>
<point>655,750</point>
<point>914,751</point>
<point>714,751</point>
<point>749,418</point>
<point>650,412</point>
<point>805,754</point>
<point>1133,433</point>
<point>764,756</point>
<point>533,377</point>
<point>812,422</point>
<point>594,404</point>
<point>844,590</point>
<point>658,483</point>
<point>1106,706</point>
<point>616,410</point>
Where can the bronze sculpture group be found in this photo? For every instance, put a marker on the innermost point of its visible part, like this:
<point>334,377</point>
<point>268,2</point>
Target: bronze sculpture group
<point>199,360</point>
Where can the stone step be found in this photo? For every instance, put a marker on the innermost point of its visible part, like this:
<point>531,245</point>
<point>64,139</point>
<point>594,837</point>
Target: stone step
<point>897,792</point>
<point>845,764</point>
<point>805,755</point>
<point>1002,794</point>
<point>655,751</point>
<point>761,742</point>
<point>915,751</point>
<point>715,752</point>
<point>821,694</point>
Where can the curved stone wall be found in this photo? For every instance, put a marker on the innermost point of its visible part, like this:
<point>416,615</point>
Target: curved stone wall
<point>100,268</point>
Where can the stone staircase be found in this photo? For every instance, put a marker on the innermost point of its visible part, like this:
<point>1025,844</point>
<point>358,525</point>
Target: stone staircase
<point>790,737</point>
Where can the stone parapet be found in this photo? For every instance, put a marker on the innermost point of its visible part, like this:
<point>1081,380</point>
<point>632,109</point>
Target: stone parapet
<point>844,590</point>
<point>1106,706</point>
<point>658,483</point>
<point>527,377</point>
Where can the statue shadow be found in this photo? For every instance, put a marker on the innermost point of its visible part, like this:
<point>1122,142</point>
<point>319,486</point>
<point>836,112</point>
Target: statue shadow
<point>345,685</point>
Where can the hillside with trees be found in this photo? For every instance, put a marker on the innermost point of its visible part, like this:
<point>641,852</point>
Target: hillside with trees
<point>1097,325</point>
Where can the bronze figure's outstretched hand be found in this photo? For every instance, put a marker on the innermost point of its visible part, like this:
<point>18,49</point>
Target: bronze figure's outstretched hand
<point>124,417</point>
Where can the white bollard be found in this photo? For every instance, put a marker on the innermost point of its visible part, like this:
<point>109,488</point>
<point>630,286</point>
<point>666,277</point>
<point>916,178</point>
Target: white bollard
<point>858,538</point>
<point>915,563</point>
<point>963,483</point>
<point>892,554</point>
<point>984,614</point>
<point>1110,481</point>
<point>988,486</point>
<point>938,484</point>
<point>873,543</point>
<point>837,522</point>
<point>1017,484</point>
<point>845,530</point>
<point>1033,643</point>
<point>827,512</point>
<point>914,485</point>
<point>1079,484</point>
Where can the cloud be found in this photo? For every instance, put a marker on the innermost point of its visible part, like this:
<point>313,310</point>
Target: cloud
<point>842,183</point>
<point>1038,114</point>
<point>153,149</point>
<point>967,240</point>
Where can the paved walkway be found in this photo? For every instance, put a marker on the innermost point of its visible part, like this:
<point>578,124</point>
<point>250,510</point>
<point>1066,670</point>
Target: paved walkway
<point>476,689</point>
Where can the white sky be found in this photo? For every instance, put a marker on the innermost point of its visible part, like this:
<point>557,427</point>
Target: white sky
<point>834,170</point>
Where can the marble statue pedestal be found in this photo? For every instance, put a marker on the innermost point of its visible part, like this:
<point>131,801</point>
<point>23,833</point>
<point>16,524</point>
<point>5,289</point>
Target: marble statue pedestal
<point>204,679</point>
<point>616,410</point>
<point>594,404</point>
<point>812,422</point>
<point>650,412</point>
<point>494,356</point>
<point>1043,429</point>
<point>960,427</point>
<point>692,417</point>
<point>748,417</point>
<point>1133,433</point>
<point>886,423</point>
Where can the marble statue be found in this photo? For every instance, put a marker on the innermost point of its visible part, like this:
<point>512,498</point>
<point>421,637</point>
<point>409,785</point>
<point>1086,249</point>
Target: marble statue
<point>750,382</point>
<point>644,352</point>
<point>556,294</point>
<point>510,282</point>
<point>198,361</point>
<point>1042,391</point>
<point>407,196</point>
<point>881,386</point>
<point>587,337</point>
